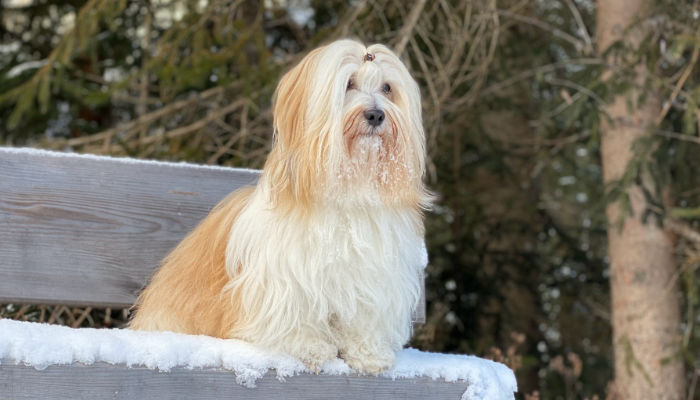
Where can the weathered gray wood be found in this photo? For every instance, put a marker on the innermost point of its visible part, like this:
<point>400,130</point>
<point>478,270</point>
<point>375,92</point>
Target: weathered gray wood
<point>103,381</point>
<point>83,230</point>
<point>90,231</point>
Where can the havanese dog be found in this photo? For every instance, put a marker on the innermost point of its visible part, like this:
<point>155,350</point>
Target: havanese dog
<point>324,257</point>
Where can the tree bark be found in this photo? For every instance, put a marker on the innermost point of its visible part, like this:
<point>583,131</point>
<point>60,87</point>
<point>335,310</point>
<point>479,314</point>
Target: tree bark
<point>644,296</point>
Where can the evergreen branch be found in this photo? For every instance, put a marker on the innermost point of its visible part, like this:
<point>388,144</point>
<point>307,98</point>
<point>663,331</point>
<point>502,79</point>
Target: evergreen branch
<point>38,87</point>
<point>679,85</point>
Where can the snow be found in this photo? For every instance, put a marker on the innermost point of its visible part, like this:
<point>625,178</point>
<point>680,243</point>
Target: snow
<point>19,68</point>
<point>46,153</point>
<point>42,345</point>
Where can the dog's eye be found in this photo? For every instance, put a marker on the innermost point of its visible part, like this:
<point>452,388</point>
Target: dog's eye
<point>386,88</point>
<point>351,85</point>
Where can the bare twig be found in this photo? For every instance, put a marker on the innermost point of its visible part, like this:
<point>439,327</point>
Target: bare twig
<point>406,31</point>
<point>82,317</point>
<point>693,384</point>
<point>582,27</point>
<point>539,70</point>
<point>347,21</point>
<point>678,136</point>
<point>143,84</point>
<point>56,314</point>
<point>145,119</point>
<point>195,125</point>
<point>576,86</point>
<point>542,25</point>
<point>683,229</point>
<point>22,310</point>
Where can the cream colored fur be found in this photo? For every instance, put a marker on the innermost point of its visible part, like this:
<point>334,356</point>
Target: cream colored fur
<point>324,257</point>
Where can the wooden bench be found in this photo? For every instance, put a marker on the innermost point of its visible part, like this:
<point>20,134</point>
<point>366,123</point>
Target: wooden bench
<point>89,231</point>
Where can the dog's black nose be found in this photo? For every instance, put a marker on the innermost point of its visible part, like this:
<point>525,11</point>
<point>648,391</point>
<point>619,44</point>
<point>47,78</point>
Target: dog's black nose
<point>374,117</point>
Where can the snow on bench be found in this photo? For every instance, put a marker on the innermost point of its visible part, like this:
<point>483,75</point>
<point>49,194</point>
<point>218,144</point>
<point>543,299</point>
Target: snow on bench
<point>89,230</point>
<point>41,346</point>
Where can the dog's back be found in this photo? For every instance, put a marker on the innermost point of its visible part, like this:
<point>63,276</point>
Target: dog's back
<point>187,292</point>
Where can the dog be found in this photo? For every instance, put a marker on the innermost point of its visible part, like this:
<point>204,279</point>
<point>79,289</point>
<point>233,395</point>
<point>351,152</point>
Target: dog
<point>324,257</point>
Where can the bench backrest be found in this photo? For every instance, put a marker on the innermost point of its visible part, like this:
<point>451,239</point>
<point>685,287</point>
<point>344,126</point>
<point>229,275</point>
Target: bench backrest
<point>89,230</point>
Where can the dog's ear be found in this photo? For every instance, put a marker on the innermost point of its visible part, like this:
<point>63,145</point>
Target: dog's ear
<point>290,165</point>
<point>291,100</point>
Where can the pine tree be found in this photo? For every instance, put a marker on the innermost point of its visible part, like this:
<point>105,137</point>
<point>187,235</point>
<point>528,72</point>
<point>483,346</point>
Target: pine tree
<point>645,306</point>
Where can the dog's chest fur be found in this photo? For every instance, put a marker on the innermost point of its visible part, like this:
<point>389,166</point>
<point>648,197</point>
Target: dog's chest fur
<point>338,261</point>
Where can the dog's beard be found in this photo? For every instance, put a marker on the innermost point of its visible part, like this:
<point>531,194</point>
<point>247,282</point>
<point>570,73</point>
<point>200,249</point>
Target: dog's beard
<point>374,157</point>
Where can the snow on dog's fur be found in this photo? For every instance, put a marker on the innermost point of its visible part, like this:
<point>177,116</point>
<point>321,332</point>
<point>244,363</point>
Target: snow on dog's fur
<point>324,256</point>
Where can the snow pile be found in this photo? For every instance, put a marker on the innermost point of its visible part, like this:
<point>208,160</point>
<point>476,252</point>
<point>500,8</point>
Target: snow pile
<point>41,345</point>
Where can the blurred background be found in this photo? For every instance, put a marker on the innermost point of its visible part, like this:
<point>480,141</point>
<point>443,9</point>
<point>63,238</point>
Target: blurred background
<point>512,98</point>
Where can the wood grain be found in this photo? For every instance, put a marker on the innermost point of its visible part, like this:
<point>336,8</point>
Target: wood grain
<point>88,231</point>
<point>104,381</point>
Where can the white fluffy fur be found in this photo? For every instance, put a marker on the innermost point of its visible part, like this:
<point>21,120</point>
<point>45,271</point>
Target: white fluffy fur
<point>326,255</point>
<point>344,280</point>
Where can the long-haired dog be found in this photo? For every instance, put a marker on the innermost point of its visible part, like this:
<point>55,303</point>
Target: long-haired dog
<point>324,256</point>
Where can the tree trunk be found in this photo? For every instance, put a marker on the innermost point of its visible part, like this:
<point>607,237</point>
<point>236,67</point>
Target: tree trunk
<point>644,297</point>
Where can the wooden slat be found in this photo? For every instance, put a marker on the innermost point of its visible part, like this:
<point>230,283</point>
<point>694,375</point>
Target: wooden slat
<point>90,231</point>
<point>86,230</point>
<point>103,381</point>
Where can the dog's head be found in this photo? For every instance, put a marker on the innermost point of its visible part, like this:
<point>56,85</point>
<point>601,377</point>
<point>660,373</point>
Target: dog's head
<point>348,128</point>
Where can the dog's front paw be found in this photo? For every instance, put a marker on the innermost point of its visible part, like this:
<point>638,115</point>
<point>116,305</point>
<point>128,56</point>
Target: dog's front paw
<point>367,361</point>
<point>315,354</point>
